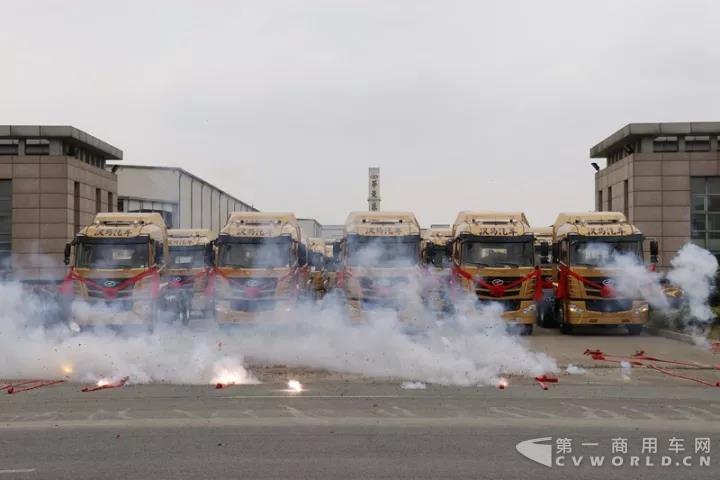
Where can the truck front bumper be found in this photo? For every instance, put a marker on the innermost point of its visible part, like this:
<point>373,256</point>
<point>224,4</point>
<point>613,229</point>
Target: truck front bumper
<point>226,314</point>
<point>577,314</point>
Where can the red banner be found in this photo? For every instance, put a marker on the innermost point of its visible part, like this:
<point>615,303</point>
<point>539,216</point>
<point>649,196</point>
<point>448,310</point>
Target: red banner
<point>109,293</point>
<point>499,290</point>
<point>606,291</point>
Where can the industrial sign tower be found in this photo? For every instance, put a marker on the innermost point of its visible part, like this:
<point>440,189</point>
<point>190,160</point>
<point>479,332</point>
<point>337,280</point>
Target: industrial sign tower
<point>374,189</point>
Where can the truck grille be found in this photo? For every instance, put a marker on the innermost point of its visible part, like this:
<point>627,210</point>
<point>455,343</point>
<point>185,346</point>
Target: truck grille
<point>595,292</point>
<point>608,306</point>
<point>187,283</point>
<point>94,292</point>
<point>252,288</point>
<point>484,293</point>
<point>253,305</point>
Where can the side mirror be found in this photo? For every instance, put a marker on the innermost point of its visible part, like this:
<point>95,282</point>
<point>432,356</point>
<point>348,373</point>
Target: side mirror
<point>68,247</point>
<point>302,255</point>
<point>654,251</point>
<point>544,253</point>
<point>159,254</point>
<point>556,252</point>
<point>317,260</point>
<point>210,254</point>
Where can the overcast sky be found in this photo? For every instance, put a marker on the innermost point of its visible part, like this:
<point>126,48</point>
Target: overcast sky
<point>285,104</point>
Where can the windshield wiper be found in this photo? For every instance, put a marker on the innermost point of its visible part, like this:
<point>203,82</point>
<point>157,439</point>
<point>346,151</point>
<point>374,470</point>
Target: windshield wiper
<point>509,264</point>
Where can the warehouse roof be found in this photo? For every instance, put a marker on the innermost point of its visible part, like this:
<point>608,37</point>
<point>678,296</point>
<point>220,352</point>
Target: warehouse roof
<point>183,172</point>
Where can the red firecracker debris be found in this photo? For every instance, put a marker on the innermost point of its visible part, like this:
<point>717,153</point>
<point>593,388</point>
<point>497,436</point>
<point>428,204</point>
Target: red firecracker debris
<point>104,386</point>
<point>29,385</point>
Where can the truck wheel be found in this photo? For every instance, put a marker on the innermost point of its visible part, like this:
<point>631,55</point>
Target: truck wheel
<point>565,328</point>
<point>634,329</point>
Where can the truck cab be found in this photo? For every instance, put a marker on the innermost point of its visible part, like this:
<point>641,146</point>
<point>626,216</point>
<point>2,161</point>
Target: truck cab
<point>188,268</point>
<point>543,259</point>
<point>435,255</point>
<point>583,248</point>
<point>260,266</point>
<point>317,265</point>
<point>116,264</point>
<point>493,256</point>
<point>380,260</point>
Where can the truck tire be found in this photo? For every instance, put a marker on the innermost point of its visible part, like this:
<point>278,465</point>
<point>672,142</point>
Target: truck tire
<point>634,329</point>
<point>565,328</point>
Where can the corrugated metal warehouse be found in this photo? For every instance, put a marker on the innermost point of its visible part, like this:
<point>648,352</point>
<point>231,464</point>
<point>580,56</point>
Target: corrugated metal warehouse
<point>184,200</point>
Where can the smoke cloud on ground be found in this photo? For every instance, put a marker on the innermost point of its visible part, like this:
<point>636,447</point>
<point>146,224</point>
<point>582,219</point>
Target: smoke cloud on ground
<point>471,347</point>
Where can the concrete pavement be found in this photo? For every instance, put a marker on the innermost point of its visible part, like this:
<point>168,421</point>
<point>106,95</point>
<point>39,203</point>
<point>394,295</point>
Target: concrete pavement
<point>343,426</point>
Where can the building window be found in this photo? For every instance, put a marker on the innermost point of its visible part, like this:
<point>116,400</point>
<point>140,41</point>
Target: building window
<point>626,199</point>
<point>76,207</point>
<point>5,224</point>
<point>110,202</point>
<point>599,201</point>
<point>697,143</point>
<point>37,146</point>
<point>8,146</point>
<point>705,218</point>
<point>665,144</point>
<point>609,199</point>
<point>98,200</point>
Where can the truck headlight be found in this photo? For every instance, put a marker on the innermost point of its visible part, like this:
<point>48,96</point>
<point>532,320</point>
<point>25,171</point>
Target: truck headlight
<point>529,309</point>
<point>575,309</point>
<point>141,308</point>
<point>642,309</point>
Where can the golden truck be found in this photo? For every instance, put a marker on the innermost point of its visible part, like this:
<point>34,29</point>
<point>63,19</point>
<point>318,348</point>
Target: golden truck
<point>380,256</point>
<point>188,267</point>
<point>318,273</point>
<point>583,246</point>
<point>260,266</point>
<point>543,259</point>
<point>435,255</point>
<point>493,257</point>
<point>117,262</point>
<point>332,263</point>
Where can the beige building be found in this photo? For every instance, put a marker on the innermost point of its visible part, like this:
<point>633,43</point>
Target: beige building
<point>52,182</point>
<point>665,177</point>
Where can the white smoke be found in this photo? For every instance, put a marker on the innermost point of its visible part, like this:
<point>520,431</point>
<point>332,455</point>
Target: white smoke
<point>632,278</point>
<point>694,270</point>
<point>470,347</point>
<point>413,386</point>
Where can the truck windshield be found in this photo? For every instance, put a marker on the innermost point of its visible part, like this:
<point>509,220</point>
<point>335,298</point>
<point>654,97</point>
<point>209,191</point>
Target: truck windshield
<point>538,257</point>
<point>436,256</point>
<point>383,252</point>
<point>112,255</point>
<point>187,257</point>
<point>601,252</point>
<point>497,254</point>
<point>268,253</point>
